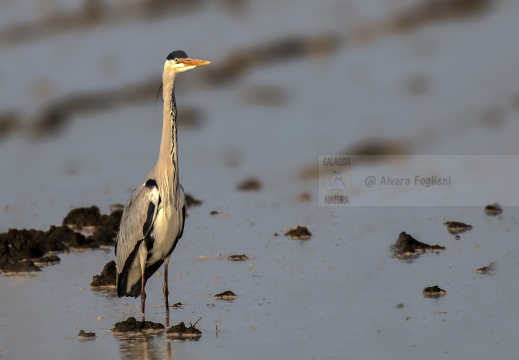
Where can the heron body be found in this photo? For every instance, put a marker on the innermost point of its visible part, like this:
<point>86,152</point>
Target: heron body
<point>153,218</point>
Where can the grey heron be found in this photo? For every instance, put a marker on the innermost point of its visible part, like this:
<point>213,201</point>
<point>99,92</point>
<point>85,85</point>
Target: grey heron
<point>153,218</point>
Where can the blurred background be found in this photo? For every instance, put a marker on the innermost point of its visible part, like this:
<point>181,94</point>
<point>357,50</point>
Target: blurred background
<point>289,81</point>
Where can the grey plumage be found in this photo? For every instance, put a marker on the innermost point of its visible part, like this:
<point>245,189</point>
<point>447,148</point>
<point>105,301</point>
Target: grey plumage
<point>138,227</point>
<point>153,219</point>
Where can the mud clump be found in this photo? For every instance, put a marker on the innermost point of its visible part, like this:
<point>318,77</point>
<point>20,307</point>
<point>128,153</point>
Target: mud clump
<point>105,226</point>
<point>107,276</point>
<point>191,201</point>
<point>299,233</point>
<point>24,266</point>
<point>181,331</point>
<point>214,212</point>
<point>81,218</point>
<point>486,270</point>
<point>237,257</point>
<point>493,210</point>
<point>17,245</point>
<point>101,237</point>
<point>47,260</point>
<point>406,245</point>
<point>132,325</point>
<point>226,295</point>
<point>455,227</point>
<point>434,291</point>
<point>86,335</point>
<point>250,184</point>
<point>177,305</point>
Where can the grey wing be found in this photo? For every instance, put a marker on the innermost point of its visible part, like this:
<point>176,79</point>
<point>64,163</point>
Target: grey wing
<point>137,220</point>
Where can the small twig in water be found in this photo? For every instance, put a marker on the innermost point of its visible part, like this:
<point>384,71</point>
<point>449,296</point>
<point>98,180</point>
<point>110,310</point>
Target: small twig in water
<point>195,323</point>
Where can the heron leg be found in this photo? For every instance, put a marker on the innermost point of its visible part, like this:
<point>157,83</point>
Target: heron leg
<point>165,287</point>
<point>143,254</point>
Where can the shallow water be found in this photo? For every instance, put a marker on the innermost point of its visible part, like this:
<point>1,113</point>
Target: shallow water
<point>334,296</point>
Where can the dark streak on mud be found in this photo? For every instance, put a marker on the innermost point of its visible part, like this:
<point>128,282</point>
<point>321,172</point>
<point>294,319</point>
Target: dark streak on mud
<point>250,184</point>
<point>92,14</point>
<point>429,11</point>
<point>370,151</point>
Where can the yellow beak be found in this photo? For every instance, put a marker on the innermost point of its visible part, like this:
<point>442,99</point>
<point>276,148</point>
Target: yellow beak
<point>193,62</point>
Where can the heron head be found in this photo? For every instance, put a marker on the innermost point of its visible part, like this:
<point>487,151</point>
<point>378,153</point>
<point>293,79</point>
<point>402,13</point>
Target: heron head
<point>177,61</point>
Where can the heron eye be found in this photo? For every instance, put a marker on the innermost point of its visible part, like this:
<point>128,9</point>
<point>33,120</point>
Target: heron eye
<point>175,60</point>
